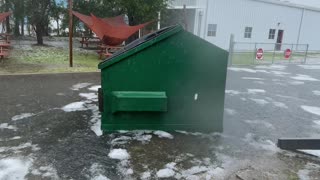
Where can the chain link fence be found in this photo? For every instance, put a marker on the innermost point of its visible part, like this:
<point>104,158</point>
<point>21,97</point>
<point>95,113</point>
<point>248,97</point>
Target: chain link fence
<point>242,53</point>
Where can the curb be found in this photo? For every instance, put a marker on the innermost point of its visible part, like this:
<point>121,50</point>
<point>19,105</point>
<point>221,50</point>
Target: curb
<point>54,73</point>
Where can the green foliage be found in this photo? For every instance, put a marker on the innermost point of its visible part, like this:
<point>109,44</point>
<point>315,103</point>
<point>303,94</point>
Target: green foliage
<point>39,12</point>
<point>140,11</point>
<point>100,8</point>
<point>6,5</point>
<point>56,10</point>
<point>18,7</point>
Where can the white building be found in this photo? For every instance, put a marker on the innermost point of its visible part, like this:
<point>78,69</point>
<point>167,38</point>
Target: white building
<point>267,21</point>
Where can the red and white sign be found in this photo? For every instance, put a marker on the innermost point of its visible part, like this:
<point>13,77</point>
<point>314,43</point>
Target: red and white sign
<point>287,53</point>
<point>259,54</point>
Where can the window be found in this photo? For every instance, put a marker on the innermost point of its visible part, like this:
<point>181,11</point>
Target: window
<point>212,29</point>
<point>247,32</point>
<point>272,33</point>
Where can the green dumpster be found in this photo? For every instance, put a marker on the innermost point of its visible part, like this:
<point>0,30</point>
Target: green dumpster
<point>168,80</point>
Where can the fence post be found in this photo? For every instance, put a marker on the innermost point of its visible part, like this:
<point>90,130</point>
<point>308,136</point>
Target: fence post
<point>291,54</point>
<point>254,53</point>
<point>231,49</point>
<point>305,56</point>
<point>274,53</point>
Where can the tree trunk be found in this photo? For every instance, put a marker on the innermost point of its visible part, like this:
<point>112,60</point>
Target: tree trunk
<point>29,27</point>
<point>23,17</point>
<point>46,29</point>
<point>22,27</point>
<point>39,33</point>
<point>3,24</point>
<point>7,19</point>
<point>16,27</point>
<point>58,28</point>
<point>8,25</point>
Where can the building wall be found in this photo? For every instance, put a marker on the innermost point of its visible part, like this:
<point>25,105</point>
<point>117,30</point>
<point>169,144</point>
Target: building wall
<point>310,30</point>
<point>232,16</point>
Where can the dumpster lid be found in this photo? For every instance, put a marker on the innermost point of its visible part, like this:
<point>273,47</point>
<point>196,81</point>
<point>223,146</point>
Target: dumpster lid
<point>140,44</point>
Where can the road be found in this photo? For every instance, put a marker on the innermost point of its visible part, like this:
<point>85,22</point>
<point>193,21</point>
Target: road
<point>48,130</point>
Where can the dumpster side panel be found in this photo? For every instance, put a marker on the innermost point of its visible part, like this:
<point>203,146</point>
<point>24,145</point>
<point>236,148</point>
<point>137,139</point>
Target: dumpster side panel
<point>192,73</point>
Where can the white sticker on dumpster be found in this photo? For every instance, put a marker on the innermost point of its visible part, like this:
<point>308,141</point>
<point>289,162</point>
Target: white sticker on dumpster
<point>196,96</point>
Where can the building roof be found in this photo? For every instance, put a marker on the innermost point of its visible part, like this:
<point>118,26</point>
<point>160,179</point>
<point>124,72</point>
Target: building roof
<point>290,4</point>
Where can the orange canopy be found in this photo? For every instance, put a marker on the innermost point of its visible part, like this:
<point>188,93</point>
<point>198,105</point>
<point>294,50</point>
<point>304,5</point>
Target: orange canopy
<point>87,20</point>
<point>4,15</point>
<point>112,31</point>
<point>114,35</point>
<point>115,21</point>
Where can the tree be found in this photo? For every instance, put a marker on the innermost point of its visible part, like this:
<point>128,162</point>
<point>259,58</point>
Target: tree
<point>38,15</point>
<point>22,18</point>
<point>57,11</point>
<point>17,8</point>
<point>18,13</point>
<point>100,8</point>
<point>141,11</point>
<point>7,6</point>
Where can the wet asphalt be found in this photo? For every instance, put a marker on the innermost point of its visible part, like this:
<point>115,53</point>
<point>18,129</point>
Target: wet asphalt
<point>254,120</point>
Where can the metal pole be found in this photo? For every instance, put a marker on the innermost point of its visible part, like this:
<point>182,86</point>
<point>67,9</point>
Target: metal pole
<point>274,53</point>
<point>300,26</point>
<point>185,17</point>
<point>254,53</point>
<point>206,20</point>
<point>291,54</point>
<point>200,22</point>
<point>305,56</point>
<point>70,34</point>
<point>231,48</point>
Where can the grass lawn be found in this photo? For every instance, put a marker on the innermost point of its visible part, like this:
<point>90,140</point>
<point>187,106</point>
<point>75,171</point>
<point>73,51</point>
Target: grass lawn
<point>48,59</point>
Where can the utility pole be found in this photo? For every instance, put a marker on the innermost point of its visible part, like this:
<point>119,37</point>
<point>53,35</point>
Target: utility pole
<point>185,17</point>
<point>70,34</point>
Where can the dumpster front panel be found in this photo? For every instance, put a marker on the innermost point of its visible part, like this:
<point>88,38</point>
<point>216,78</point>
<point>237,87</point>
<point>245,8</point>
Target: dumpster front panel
<point>190,71</point>
<point>138,101</point>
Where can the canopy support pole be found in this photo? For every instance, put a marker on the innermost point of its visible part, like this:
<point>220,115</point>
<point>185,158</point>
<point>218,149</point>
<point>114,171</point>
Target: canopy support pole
<point>70,34</point>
